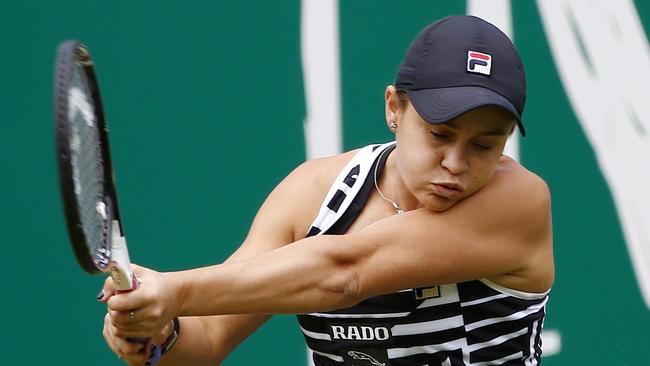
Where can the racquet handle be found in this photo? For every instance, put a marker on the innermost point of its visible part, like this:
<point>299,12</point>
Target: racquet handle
<point>133,286</point>
<point>120,267</point>
<point>156,353</point>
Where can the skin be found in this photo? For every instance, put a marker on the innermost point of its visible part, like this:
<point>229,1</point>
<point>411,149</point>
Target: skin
<point>439,165</point>
<point>471,213</point>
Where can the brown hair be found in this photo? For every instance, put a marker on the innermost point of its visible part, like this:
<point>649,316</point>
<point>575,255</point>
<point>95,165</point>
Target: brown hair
<point>403,99</point>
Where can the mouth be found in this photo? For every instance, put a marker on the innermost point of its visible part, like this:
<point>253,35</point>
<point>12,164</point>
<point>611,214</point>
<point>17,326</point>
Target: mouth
<point>447,190</point>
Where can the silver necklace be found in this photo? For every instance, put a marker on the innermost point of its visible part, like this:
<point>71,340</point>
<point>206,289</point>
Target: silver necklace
<point>393,203</point>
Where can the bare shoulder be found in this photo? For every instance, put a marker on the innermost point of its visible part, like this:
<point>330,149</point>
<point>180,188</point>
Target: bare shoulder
<point>517,202</point>
<point>514,199</point>
<point>298,197</point>
<point>288,211</point>
<point>521,190</point>
<point>509,169</point>
<point>320,172</point>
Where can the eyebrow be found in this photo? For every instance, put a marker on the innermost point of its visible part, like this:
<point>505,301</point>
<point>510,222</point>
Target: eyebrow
<point>495,132</point>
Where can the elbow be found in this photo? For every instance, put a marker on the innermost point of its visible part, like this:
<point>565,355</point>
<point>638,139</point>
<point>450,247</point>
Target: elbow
<point>342,287</point>
<point>342,284</point>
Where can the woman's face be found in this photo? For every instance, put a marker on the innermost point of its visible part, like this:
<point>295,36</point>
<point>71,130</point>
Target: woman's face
<point>442,164</point>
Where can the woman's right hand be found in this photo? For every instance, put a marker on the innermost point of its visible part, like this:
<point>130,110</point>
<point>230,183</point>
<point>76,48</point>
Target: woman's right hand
<point>134,354</point>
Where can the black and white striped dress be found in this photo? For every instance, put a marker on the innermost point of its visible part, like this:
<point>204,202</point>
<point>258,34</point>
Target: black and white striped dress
<point>470,323</point>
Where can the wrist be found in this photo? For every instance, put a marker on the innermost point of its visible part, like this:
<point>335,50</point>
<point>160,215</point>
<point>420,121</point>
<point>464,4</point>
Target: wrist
<point>156,352</point>
<point>167,345</point>
<point>179,292</point>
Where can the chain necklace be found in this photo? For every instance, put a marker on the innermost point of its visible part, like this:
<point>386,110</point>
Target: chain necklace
<point>393,203</point>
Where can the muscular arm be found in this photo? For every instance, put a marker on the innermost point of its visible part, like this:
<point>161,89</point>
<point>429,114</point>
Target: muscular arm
<point>210,339</point>
<point>502,229</point>
<point>282,219</point>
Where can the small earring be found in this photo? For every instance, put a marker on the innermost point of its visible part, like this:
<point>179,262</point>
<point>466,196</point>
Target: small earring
<point>392,125</point>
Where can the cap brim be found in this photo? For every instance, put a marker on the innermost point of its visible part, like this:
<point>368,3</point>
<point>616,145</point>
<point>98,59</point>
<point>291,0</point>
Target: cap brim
<point>440,105</point>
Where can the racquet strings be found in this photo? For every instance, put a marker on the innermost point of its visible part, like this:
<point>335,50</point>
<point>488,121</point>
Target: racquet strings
<point>87,166</point>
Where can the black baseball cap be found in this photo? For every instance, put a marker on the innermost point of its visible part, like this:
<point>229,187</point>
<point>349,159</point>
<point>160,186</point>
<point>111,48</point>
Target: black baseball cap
<point>460,63</point>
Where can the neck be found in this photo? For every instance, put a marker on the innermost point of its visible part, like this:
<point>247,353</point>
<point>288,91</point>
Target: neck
<point>393,185</point>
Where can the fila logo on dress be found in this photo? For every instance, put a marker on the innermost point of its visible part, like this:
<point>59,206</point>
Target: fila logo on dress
<point>478,62</point>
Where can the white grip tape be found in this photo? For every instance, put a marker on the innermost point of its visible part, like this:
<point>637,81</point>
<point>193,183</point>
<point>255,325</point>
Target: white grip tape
<point>120,266</point>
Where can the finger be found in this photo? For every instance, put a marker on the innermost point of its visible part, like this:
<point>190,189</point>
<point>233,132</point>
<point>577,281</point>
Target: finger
<point>117,340</point>
<point>129,348</point>
<point>123,302</point>
<point>138,311</point>
<point>161,336</point>
<point>127,329</point>
<point>122,319</point>
<point>127,300</point>
<point>108,333</point>
<point>137,270</point>
<point>131,319</point>
<point>138,273</point>
<point>107,291</point>
<point>130,352</point>
<point>133,354</point>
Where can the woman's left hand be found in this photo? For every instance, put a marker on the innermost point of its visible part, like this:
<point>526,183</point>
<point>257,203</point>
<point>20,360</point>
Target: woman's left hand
<point>143,312</point>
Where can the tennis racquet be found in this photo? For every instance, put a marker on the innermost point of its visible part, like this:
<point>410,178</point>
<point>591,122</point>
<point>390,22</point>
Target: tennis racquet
<point>85,170</point>
<point>86,173</point>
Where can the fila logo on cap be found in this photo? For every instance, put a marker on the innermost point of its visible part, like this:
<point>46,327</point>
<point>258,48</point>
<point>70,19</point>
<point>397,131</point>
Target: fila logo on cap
<point>479,63</point>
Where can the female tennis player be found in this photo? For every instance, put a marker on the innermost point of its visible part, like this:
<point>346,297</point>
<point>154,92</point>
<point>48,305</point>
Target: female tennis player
<point>433,249</point>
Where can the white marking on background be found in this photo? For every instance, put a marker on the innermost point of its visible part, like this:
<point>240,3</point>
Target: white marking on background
<point>319,47</point>
<point>606,72</point>
<point>499,13</point>
<point>551,342</point>
<point>321,77</point>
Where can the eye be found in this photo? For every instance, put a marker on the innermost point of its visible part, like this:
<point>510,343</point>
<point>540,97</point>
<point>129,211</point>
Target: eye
<point>439,136</point>
<point>483,146</point>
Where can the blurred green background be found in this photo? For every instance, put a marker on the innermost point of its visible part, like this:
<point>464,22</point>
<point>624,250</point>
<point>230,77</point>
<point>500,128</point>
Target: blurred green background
<point>205,101</point>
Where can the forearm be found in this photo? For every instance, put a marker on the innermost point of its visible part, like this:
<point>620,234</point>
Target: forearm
<point>332,272</point>
<point>193,347</point>
<point>314,274</point>
<point>209,340</point>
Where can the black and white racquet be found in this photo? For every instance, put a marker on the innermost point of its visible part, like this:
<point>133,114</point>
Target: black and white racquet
<point>86,173</point>
<point>85,170</point>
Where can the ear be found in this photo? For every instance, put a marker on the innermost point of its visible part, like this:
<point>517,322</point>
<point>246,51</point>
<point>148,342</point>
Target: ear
<point>392,106</point>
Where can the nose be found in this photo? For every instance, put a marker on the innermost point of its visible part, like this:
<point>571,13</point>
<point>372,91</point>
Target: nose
<point>454,160</point>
